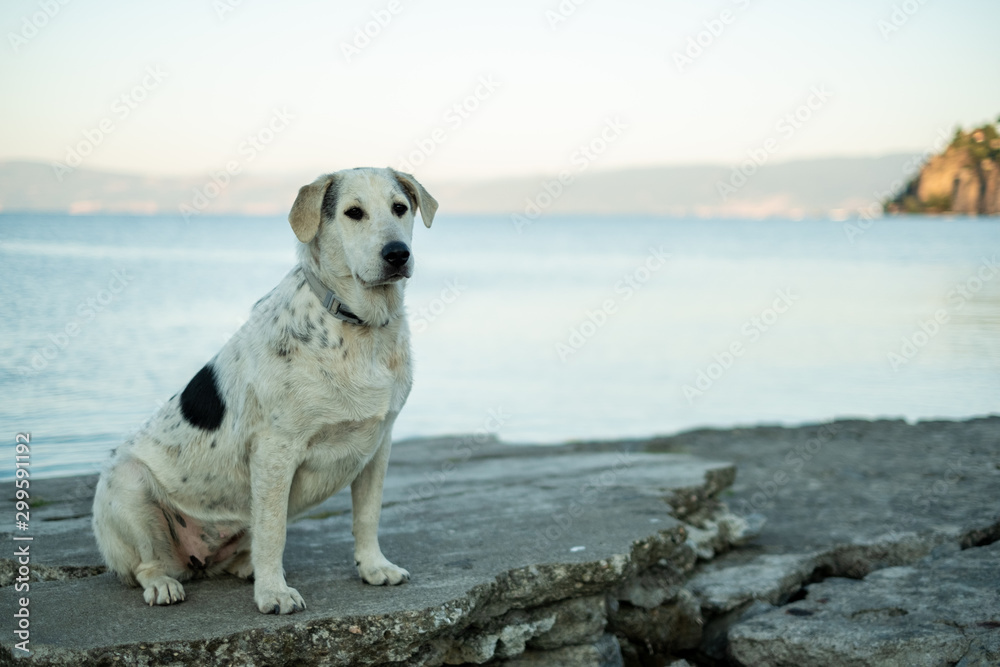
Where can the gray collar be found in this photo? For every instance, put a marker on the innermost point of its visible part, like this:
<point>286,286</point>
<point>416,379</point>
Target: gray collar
<point>330,301</point>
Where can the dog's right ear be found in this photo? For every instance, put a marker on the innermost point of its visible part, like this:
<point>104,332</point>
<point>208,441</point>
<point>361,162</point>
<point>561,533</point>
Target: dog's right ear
<point>307,209</point>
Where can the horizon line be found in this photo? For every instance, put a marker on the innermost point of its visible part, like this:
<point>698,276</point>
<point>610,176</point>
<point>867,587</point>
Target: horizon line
<point>484,179</point>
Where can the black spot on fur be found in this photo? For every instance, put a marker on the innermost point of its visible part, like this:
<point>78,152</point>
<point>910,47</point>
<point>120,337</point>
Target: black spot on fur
<point>300,336</point>
<point>329,207</point>
<point>201,403</point>
<point>184,480</point>
<point>345,353</point>
<point>170,526</point>
<point>323,340</point>
<point>181,520</point>
<point>213,444</point>
<point>341,341</point>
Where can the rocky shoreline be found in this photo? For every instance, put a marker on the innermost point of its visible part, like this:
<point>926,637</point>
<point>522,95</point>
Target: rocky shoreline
<point>963,179</point>
<point>848,543</point>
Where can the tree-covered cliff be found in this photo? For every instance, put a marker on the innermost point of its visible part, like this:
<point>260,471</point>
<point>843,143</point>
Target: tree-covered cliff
<point>964,179</point>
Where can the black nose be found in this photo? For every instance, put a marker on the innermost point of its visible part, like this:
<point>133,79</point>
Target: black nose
<point>395,253</point>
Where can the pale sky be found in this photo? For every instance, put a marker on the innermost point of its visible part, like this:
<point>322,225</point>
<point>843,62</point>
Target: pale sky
<point>226,66</point>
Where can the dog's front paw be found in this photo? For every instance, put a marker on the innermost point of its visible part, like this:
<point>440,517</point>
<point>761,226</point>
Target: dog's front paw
<point>163,590</point>
<point>278,600</point>
<point>380,572</point>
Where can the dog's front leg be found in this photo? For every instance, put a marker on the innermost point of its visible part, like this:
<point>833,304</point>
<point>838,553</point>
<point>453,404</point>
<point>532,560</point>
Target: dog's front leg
<point>366,498</point>
<point>272,467</point>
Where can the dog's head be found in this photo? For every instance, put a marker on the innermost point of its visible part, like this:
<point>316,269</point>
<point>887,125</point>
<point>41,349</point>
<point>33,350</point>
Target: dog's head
<point>358,224</point>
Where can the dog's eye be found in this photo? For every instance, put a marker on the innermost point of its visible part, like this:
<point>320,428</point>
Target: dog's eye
<point>399,209</point>
<point>354,213</point>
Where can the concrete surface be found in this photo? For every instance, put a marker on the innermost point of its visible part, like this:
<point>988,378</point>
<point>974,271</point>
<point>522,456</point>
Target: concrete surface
<point>874,543</point>
<point>486,530</point>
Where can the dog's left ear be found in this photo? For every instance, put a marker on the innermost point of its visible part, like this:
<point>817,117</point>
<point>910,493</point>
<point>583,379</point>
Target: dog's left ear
<point>307,209</point>
<point>428,205</point>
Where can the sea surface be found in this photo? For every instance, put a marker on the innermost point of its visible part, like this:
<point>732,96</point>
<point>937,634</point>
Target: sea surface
<point>569,328</point>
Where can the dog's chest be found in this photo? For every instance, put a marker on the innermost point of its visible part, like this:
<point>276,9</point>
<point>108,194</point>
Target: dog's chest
<point>359,380</point>
<point>335,455</point>
<point>348,373</point>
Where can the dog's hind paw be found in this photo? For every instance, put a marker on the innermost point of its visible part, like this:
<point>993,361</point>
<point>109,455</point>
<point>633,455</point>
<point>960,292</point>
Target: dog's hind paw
<point>242,566</point>
<point>278,601</point>
<point>163,590</point>
<point>381,572</point>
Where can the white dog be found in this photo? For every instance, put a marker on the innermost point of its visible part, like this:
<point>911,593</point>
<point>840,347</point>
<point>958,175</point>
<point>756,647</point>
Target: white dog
<point>296,406</point>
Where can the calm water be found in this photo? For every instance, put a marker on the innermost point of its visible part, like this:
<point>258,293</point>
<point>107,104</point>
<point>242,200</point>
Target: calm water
<point>575,328</point>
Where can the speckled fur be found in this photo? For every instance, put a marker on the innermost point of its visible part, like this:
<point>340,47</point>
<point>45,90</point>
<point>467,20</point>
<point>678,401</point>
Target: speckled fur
<point>309,404</point>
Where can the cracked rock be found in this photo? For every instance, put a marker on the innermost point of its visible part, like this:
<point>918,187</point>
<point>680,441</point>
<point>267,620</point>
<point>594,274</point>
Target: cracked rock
<point>937,612</point>
<point>605,652</point>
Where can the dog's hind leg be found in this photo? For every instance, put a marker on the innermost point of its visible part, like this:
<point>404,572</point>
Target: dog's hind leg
<point>240,564</point>
<point>133,533</point>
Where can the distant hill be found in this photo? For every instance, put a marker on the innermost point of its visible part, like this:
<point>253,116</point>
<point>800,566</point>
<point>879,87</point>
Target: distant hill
<point>33,186</point>
<point>964,178</point>
<point>823,187</point>
<point>833,186</point>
